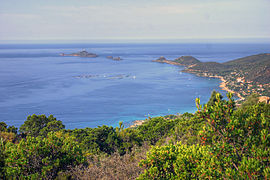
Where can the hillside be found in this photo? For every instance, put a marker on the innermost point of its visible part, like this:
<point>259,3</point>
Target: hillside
<point>245,75</point>
<point>253,68</point>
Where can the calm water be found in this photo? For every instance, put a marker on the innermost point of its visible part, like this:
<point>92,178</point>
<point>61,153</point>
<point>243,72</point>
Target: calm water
<point>87,92</point>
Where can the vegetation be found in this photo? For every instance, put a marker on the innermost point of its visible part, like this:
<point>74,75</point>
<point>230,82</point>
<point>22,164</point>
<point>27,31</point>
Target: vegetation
<point>254,68</point>
<point>219,141</point>
<point>234,144</point>
<point>37,157</point>
<point>245,75</point>
<point>40,125</point>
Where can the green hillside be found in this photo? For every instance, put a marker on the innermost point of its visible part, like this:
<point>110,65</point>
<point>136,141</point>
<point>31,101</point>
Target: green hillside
<point>244,76</point>
<point>252,68</point>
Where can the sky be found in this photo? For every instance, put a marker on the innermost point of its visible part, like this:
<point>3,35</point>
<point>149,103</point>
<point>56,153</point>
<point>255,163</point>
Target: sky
<point>133,19</point>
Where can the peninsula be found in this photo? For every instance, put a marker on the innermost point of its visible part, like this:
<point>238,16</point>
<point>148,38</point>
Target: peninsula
<point>81,54</point>
<point>243,76</point>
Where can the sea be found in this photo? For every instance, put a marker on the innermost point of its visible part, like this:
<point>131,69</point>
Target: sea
<point>91,92</point>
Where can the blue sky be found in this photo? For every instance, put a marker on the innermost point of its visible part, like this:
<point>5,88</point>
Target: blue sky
<point>133,19</point>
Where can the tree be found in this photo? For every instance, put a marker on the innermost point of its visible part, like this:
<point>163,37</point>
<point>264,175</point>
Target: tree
<point>36,125</point>
<point>42,158</point>
<point>3,127</point>
<point>8,133</point>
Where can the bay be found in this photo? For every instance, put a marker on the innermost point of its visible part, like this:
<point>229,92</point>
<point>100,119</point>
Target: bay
<point>90,92</point>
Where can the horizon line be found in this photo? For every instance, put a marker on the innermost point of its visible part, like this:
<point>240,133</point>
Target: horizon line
<point>144,40</point>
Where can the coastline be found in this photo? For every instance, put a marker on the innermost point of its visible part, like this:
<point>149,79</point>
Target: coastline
<point>223,84</point>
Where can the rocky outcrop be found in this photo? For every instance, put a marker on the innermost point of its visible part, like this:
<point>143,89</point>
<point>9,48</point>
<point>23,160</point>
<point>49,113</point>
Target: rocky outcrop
<point>264,99</point>
<point>81,54</point>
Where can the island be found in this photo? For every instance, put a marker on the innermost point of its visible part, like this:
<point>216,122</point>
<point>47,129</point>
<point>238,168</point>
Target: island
<point>243,76</point>
<point>81,54</point>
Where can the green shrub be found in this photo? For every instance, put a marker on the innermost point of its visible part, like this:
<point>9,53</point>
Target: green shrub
<point>37,157</point>
<point>40,125</point>
<point>234,144</point>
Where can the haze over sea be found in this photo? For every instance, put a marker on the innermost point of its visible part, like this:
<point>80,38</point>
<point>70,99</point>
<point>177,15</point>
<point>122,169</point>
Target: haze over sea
<point>89,92</point>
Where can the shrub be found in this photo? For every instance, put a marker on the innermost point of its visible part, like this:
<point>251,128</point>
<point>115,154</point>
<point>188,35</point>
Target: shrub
<point>42,157</point>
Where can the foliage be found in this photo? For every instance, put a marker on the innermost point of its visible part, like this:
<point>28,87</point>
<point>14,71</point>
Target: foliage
<point>176,162</point>
<point>250,101</point>
<point>234,143</point>
<point>213,98</point>
<point>109,140</point>
<point>8,133</point>
<point>8,136</point>
<point>112,167</point>
<point>129,138</point>
<point>5,128</point>
<point>156,128</point>
<point>37,157</point>
<point>2,159</point>
<point>40,125</point>
<point>187,128</point>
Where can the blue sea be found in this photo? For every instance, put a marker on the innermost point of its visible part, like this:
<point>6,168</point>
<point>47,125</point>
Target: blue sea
<point>90,92</point>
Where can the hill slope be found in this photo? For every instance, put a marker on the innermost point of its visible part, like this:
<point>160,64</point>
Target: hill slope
<point>249,74</point>
<point>253,68</point>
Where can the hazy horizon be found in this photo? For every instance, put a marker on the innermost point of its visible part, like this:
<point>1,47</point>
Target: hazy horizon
<point>162,41</point>
<point>103,20</point>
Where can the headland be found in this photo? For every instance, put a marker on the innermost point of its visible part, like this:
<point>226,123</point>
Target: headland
<point>242,77</point>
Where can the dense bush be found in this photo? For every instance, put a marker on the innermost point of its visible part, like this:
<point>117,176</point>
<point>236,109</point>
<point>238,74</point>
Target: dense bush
<point>40,125</point>
<point>234,144</point>
<point>156,128</point>
<point>37,157</point>
<point>105,139</point>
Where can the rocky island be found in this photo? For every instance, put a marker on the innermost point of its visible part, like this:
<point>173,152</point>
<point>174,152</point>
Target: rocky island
<point>81,54</point>
<point>243,76</point>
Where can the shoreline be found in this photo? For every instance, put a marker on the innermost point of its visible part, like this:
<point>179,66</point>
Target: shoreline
<point>222,85</point>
